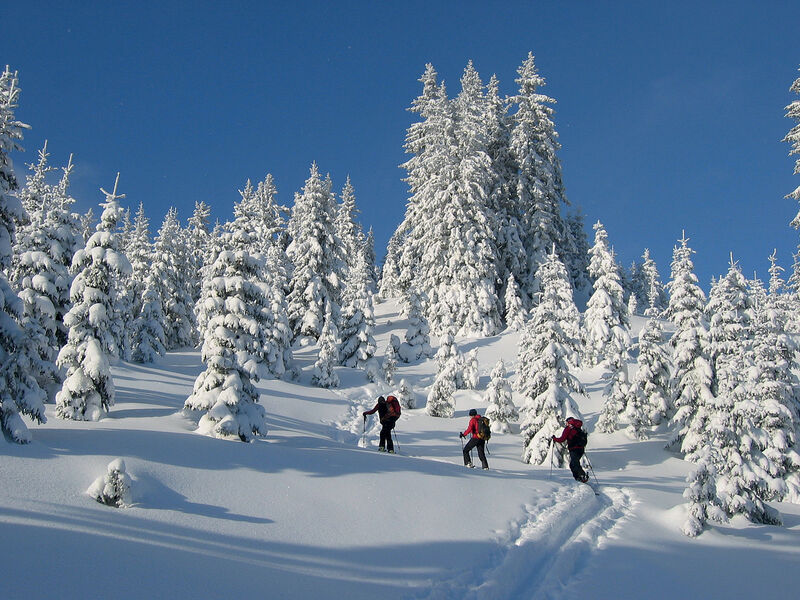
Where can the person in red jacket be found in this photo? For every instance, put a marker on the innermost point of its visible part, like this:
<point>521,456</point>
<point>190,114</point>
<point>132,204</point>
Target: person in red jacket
<point>475,442</point>
<point>388,413</point>
<point>575,447</point>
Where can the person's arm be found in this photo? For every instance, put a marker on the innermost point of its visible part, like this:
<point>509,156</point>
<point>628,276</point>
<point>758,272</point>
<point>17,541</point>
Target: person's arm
<point>564,436</point>
<point>370,412</point>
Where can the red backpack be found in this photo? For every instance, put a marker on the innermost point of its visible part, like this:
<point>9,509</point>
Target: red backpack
<point>394,406</point>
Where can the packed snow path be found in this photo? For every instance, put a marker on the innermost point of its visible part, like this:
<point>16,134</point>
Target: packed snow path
<point>543,557</point>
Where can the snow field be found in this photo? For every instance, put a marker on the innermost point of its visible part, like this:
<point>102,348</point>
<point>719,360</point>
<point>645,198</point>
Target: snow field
<point>306,513</point>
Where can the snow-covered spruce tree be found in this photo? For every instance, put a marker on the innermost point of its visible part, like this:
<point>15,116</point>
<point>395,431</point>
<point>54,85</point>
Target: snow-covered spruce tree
<point>448,350</point>
<point>140,254</point>
<point>315,254</point>
<point>449,243</point>
<point>64,240</point>
<point>793,138</point>
<point>88,389</point>
<point>171,261</point>
<point>234,299</point>
<point>200,250</point>
<point>250,231</point>
<point>703,502</point>
<point>470,376</point>
<point>113,488</point>
<point>279,358</point>
<point>617,389</point>
<point>654,290</point>
<point>498,396</point>
<point>731,429</point>
<point>40,278</point>
<point>405,395</point>
<point>389,284</point>
<point>348,229</point>
<point>441,402</point>
<point>324,374</point>
<point>417,339</point>
<point>20,394</point>
<point>510,249</point>
<point>148,336</point>
<point>87,225</point>
<point>691,375</point>
<point>605,323</point>
<point>389,363</point>
<point>578,266</point>
<point>358,318</point>
<point>539,186</point>
<point>778,305</point>
<point>775,390</point>
<point>648,397</point>
<point>548,351</point>
<point>515,314</point>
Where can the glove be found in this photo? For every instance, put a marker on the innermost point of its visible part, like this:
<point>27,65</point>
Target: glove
<point>364,415</point>
<point>461,435</point>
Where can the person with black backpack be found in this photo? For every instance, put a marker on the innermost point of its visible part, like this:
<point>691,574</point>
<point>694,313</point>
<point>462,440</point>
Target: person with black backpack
<point>388,410</point>
<point>479,429</point>
<point>576,437</point>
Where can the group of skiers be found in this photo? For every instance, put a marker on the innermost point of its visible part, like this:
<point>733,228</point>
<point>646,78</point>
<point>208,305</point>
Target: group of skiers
<point>478,431</point>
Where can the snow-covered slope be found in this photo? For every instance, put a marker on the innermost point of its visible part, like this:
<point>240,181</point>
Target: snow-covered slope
<point>307,513</point>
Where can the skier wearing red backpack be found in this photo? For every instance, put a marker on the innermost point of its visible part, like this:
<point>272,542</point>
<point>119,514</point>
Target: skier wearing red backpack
<point>575,437</point>
<point>478,439</point>
<point>388,410</point>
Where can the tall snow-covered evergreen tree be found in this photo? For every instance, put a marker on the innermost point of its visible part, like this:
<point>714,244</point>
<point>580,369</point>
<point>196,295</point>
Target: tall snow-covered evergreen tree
<point>40,273</point>
<point>499,397</point>
<point>315,253</point>
<point>515,314</point>
<point>171,261</point>
<point>654,290</point>
<point>539,185</point>
<point>548,352</point>
<point>20,394</point>
<point>441,402</point>
<point>234,299</point>
<point>147,336</point>
<point>793,138</point>
<point>775,390</point>
<point>648,399</point>
<point>605,323</point>
<point>200,250</point>
<point>731,429</point>
<point>358,316</point>
<point>417,339</point>
<point>88,389</point>
<point>139,251</point>
<point>448,241</point>
<point>324,374</point>
<point>348,229</point>
<point>691,376</point>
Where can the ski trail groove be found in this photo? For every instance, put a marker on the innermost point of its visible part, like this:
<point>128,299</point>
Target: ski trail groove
<point>549,550</point>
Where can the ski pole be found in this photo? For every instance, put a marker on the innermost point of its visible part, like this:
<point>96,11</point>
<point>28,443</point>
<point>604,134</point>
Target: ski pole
<point>552,447</point>
<point>364,434</point>
<point>591,468</point>
<point>397,446</point>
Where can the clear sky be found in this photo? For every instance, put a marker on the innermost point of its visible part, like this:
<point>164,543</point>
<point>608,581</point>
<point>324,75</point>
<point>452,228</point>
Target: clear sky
<point>671,114</point>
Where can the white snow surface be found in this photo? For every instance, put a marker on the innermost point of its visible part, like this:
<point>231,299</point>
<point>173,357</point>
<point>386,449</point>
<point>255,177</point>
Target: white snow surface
<point>306,512</point>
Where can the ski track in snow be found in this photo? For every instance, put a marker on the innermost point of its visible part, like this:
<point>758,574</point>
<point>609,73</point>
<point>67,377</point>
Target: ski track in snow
<point>544,556</point>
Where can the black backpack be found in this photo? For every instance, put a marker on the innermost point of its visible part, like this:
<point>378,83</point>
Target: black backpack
<point>581,438</point>
<point>484,428</point>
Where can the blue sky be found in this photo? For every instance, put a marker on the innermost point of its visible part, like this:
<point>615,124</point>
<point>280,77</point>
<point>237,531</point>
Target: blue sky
<point>671,114</point>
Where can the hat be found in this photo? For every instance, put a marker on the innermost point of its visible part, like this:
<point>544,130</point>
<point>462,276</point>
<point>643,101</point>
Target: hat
<point>472,412</point>
<point>381,399</point>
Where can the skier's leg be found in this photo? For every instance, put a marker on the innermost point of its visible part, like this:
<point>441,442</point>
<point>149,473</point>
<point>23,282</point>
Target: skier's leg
<point>481,445</point>
<point>389,443</point>
<point>467,449</point>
